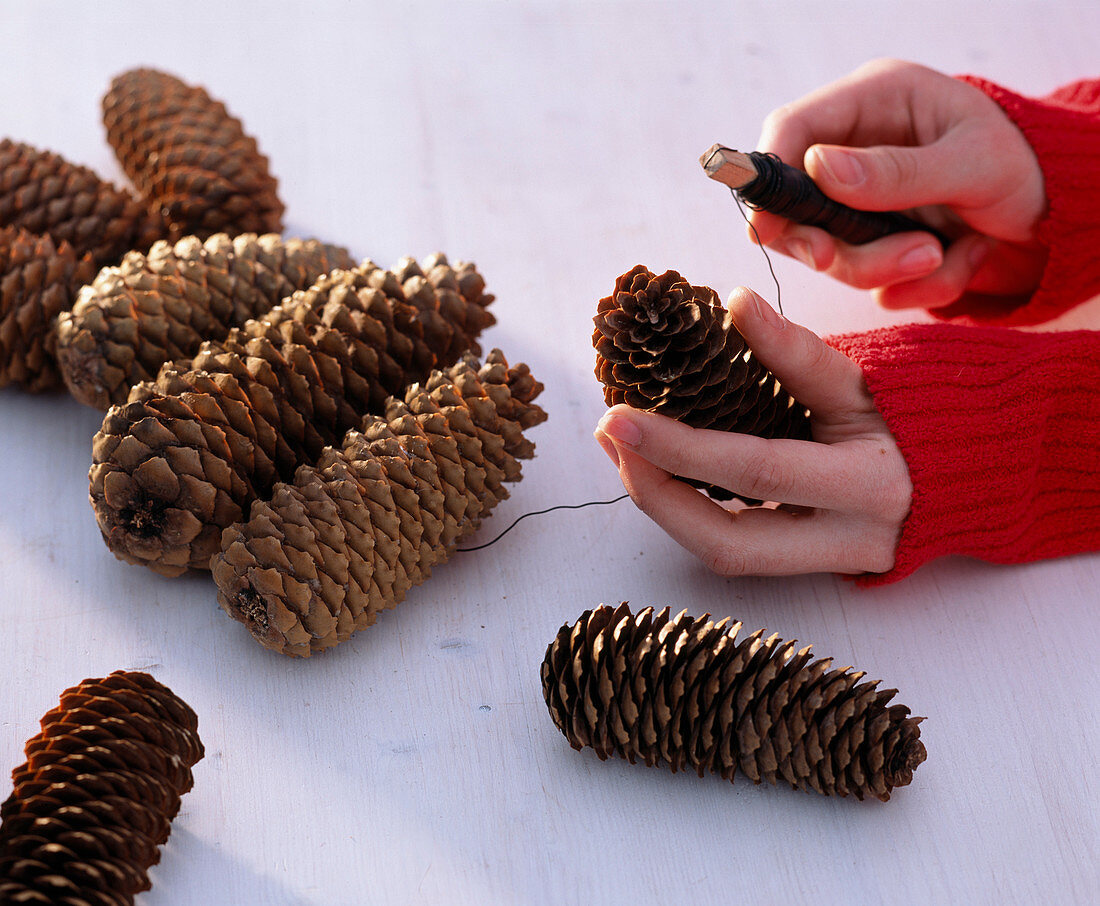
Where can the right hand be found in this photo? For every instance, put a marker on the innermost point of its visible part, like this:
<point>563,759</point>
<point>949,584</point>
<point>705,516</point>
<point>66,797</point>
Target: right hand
<point>898,136</point>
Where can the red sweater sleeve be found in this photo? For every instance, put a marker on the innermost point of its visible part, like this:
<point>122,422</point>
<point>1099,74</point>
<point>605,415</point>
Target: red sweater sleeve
<point>1064,131</point>
<point>1001,433</point>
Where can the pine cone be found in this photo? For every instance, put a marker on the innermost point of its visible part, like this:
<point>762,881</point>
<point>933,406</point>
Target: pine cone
<point>684,692</point>
<point>666,346</point>
<point>159,307</point>
<point>96,797</point>
<point>189,452</point>
<point>44,193</point>
<point>38,279</point>
<point>350,536</point>
<point>189,157</point>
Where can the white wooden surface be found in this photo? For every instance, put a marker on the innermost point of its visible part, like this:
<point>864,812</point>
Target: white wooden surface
<point>555,144</point>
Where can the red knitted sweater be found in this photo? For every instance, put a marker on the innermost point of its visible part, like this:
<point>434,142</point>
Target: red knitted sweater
<point>1000,428</point>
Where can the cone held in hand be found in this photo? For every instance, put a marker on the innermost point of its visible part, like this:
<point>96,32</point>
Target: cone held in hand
<point>682,691</point>
<point>189,158</point>
<point>351,535</point>
<point>43,193</point>
<point>97,794</point>
<point>159,307</point>
<point>665,346</point>
<point>38,279</point>
<point>189,452</point>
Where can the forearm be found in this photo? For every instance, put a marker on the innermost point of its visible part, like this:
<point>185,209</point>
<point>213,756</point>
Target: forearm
<point>1000,434</point>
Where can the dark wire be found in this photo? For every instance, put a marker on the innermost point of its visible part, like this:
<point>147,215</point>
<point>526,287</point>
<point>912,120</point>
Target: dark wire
<point>778,291</point>
<point>560,506</point>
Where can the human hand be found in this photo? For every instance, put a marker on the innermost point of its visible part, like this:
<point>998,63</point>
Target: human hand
<point>898,136</point>
<point>847,492</point>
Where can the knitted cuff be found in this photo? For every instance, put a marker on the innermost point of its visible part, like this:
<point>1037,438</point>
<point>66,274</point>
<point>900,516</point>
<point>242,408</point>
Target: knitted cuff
<point>1063,129</point>
<point>999,430</point>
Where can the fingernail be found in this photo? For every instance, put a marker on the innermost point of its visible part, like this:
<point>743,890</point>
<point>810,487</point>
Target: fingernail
<point>767,314</point>
<point>800,249</point>
<point>608,447</point>
<point>922,260</point>
<point>621,429</point>
<point>840,166</point>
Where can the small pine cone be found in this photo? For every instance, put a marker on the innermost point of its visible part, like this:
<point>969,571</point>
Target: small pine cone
<point>187,454</point>
<point>666,346</point>
<point>351,535</point>
<point>38,279</point>
<point>684,692</point>
<point>97,794</point>
<point>189,157</point>
<point>44,193</point>
<point>159,307</point>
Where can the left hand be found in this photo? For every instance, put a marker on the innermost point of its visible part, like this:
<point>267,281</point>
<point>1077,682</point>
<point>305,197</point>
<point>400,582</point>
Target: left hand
<point>847,492</point>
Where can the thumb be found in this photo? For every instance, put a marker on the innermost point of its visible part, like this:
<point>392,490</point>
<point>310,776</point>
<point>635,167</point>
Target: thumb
<point>891,177</point>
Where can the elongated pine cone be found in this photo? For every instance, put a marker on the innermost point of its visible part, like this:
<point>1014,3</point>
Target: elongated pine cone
<point>351,535</point>
<point>683,691</point>
<point>189,158</point>
<point>187,454</point>
<point>159,307</point>
<point>43,193</point>
<point>97,794</point>
<point>38,279</point>
<point>666,346</point>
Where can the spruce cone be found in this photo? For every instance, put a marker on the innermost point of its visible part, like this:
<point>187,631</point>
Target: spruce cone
<point>44,193</point>
<point>189,452</point>
<point>159,307</point>
<point>351,535</point>
<point>100,787</point>
<point>666,346</point>
<point>684,692</point>
<point>38,279</point>
<point>189,157</point>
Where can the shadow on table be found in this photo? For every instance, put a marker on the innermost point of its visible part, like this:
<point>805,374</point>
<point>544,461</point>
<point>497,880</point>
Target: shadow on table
<point>195,869</point>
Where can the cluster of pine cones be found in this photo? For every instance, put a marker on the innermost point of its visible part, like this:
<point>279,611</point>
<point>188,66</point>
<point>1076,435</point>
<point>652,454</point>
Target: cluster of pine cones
<point>239,368</point>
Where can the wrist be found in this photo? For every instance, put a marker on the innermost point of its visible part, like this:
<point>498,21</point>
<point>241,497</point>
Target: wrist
<point>997,430</point>
<point>1063,130</point>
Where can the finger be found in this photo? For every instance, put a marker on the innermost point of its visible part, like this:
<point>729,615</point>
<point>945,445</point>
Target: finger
<point>786,471</point>
<point>890,177</point>
<point>892,259</point>
<point>756,541</point>
<point>871,105</point>
<point>944,285</point>
<point>822,379</point>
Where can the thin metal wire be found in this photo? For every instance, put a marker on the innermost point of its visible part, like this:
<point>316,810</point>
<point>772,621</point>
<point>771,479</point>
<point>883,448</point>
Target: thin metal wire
<point>778,291</point>
<point>560,506</point>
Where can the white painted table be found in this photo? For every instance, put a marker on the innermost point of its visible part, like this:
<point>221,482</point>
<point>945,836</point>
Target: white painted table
<point>556,145</point>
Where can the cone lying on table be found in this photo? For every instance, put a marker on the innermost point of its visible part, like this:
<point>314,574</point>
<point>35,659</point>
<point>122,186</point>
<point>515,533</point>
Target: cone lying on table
<point>38,279</point>
<point>189,452</point>
<point>44,193</point>
<point>97,794</point>
<point>160,306</point>
<point>189,158</point>
<point>351,535</point>
<point>666,346</point>
<point>683,691</point>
